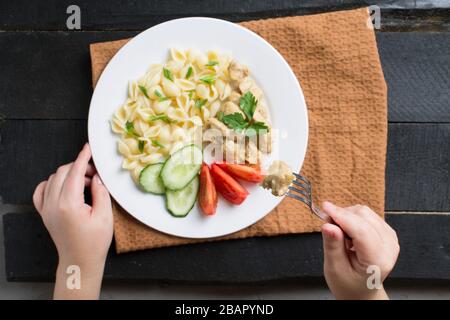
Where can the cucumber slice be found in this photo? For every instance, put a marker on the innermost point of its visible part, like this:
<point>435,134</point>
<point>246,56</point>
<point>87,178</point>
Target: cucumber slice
<point>181,167</point>
<point>150,179</point>
<point>180,202</point>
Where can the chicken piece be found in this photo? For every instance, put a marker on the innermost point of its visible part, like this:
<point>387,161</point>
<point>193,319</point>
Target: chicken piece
<point>237,71</point>
<point>279,177</point>
<point>252,154</point>
<point>234,97</point>
<point>234,152</point>
<point>248,85</point>
<point>219,125</point>
<point>230,108</point>
<point>262,113</point>
<point>264,140</point>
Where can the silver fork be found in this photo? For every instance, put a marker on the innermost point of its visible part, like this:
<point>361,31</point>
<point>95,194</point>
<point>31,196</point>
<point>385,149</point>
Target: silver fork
<point>301,190</point>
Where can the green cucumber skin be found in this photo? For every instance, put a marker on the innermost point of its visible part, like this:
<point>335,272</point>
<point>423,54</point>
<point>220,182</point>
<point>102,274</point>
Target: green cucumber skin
<point>165,162</point>
<point>140,175</point>
<point>193,204</point>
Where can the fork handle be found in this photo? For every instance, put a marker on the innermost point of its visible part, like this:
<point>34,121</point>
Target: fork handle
<point>325,217</point>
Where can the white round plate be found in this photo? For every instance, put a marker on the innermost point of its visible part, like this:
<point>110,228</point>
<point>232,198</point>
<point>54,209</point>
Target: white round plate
<point>281,89</point>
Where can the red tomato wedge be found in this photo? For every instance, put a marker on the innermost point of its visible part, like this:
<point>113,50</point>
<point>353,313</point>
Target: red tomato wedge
<point>227,186</point>
<point>207,196</point>
<point>247,172</point>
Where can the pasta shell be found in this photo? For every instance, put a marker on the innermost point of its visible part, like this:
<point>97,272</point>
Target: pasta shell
<point>184,84</point>
<point>133,90</point>
<point>160,107</point>
<point>170,88</point>
<point>153,90</point>
<point>202,91</point>
<point>176,114</point>
<point>214,108</point>
<point>178,55</point>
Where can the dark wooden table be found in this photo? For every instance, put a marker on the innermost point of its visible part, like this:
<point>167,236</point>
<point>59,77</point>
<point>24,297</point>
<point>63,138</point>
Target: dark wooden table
<point>44,97</point>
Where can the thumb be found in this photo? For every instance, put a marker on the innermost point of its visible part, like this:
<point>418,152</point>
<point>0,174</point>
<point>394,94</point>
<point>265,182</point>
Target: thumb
<point>335,254</point>
<point>101,201</point>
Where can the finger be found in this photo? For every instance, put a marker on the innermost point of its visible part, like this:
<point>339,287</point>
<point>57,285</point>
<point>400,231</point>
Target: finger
<point>373,219</point>
<point>335,253</point>
<point>347,220</point>
<point>101,201</point>
<point>58,181</point>
<point>48,187</point>
<point>363,235</point>
<point>38,196</point>
<point>74,184</point>
<point>368,215</point>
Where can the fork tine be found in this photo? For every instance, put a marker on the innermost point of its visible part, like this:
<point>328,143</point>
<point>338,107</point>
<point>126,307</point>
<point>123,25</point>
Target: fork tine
<point>299,191</point>
<point>303,185</point>
<point>302,178</point>
<point>296,197</point>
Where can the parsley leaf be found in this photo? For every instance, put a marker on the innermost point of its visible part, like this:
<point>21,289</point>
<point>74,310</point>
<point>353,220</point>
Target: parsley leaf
<point>156,143</point>
<point>168,74</point>
<point>235,121</point>
<point>200,103</point>
<point>189,73</point>
<point>256,128</point>
<point>212,63</point>
<point>248,104</point>
<point>144,91</point>
<point>157,117</point>
<point>129,128</point>
<point>208,79</point>
<point>141,145</point>
<point>191,94</point>
<point>160,96</point>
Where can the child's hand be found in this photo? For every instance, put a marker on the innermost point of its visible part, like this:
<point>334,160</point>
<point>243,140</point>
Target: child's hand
<point>82,233</point>
<point>373,242</point>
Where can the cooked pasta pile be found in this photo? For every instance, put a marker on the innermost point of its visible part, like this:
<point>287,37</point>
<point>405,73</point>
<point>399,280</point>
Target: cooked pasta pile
<point>168,107</point>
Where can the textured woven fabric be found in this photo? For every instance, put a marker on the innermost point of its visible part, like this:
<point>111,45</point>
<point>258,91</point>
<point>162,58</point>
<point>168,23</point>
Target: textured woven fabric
<point>335,58</point>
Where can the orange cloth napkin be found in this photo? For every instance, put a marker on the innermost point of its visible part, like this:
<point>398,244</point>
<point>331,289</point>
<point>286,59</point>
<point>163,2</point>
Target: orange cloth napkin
<point>335,57</point>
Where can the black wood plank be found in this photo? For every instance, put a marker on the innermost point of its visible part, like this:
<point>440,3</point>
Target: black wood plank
<point>51,71</point>
<point>418,167</point>
<point>424,240</point>
<point>417,71</point>
<point>417,176</point>
<point>140,14</point>
<point>31,150</point>
<point>47,75</point>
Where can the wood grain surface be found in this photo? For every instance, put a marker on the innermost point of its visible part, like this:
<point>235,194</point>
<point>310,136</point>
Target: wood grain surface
<point>44,97</point>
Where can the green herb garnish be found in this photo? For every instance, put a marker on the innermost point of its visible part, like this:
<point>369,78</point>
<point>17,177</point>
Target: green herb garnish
<point>144,91</point>
<point>191,94</point>
<point>157,117</point>
<point>208,79</point>
<point>212,63</point>
<point>141,145</point>
<point>255,128</point>
<point>160,96</point>
<point>248,104</point>
<point>129,128</point>
<point>156,143</point>
<point>200,103</point>
<point>168,74</point>
<point>189,73</point>
<point>237,122</point>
